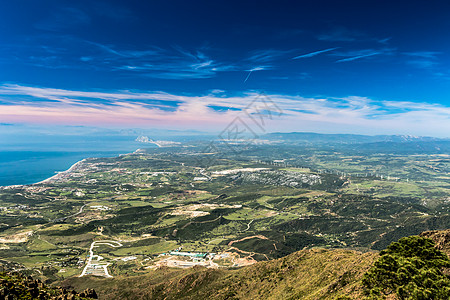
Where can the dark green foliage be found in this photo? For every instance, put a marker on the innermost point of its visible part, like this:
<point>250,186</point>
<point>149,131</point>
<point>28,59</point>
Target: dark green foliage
<point>297,241</point>
<point>410,268</point>
<point>279,244</point>
<point>133,219</point>
<point>81,229</point>
<point>415,226</point>
<point>20,221</point>
<point>198,227</point>
<point>14,285</point>
<point>281,203</point>
<point>162,191</point>
<point>242,198</point>
<point>256,245</point>
<point>328,225</point>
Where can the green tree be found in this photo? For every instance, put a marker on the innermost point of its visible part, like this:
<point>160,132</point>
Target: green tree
<point>410,268</point>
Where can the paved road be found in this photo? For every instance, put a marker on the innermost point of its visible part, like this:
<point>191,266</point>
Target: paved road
<point>248,225</point>
<point>93,265</point>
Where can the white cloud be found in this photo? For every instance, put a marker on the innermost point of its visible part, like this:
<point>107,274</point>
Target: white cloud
<point>254,69</point>
<point>35,105</point>
<point>358,54</point>
<point>311,54</point>
<point>358,57</point>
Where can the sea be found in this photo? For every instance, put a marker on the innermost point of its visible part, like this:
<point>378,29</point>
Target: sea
<point>33,160</point>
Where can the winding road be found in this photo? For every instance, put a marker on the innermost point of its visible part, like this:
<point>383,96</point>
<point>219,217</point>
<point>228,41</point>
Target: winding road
<point>97,268</point>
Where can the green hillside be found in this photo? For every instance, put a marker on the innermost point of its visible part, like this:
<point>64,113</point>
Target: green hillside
<point>306,274</point>
<point>412,268</point>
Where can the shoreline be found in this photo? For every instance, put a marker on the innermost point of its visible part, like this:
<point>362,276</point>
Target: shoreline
<point>47,180</point>
<point>61,173</point>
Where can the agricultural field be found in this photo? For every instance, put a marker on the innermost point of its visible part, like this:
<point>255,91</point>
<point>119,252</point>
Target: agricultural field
<point>179,207</point>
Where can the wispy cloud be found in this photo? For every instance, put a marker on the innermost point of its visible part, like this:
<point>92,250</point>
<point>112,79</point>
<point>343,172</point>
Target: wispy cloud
<point>311,54</point>
<point>35,105</point>
<point>344,34</point>
<point>259,68</point>
<point>267,55</point>
<point>422,59</point>
<point>423,54</point>
<point>358,57</point>
<point>68,52</point>
<point>364,53</point>
<point>422,63</point>
<point>385,40</point>
<point>177,63</point>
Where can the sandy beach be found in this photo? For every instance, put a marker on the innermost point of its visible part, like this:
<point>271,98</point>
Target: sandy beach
<point>61,174</point>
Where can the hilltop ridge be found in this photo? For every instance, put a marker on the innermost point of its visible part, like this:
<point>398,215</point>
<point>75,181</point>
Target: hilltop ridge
<point>306,274</point>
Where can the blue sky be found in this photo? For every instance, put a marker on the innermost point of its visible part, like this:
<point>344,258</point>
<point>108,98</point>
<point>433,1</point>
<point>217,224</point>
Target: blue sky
<point>333,66</point>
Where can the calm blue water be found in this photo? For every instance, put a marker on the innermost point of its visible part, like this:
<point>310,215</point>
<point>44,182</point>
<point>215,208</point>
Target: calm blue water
<point>31,161</point>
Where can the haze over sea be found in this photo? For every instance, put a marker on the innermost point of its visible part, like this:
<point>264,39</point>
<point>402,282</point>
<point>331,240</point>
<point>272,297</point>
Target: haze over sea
<point>29,160</point>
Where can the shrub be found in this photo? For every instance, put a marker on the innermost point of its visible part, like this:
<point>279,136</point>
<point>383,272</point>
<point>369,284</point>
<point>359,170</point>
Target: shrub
<point>410,268</point>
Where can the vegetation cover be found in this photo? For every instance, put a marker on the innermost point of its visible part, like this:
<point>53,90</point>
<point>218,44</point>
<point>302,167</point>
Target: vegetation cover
<point>307,275</point>
<point>125,216</point>
<point>15,285</point>
<point>411,268</point>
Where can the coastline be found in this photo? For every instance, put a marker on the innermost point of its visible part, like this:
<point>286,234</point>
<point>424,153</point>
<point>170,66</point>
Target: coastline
<point>47,180</point>
<point>60,174</point>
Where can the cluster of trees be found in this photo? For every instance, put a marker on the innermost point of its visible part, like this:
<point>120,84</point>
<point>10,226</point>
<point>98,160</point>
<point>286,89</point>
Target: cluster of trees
<point>411,269</point>
<point>15,285</point>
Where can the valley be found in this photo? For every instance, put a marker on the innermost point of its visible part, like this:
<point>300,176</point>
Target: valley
<point>171,207</point>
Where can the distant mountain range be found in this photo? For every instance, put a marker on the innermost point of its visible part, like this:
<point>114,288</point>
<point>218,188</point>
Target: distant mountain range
<point>364,144</point>
<point>311,137</point>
